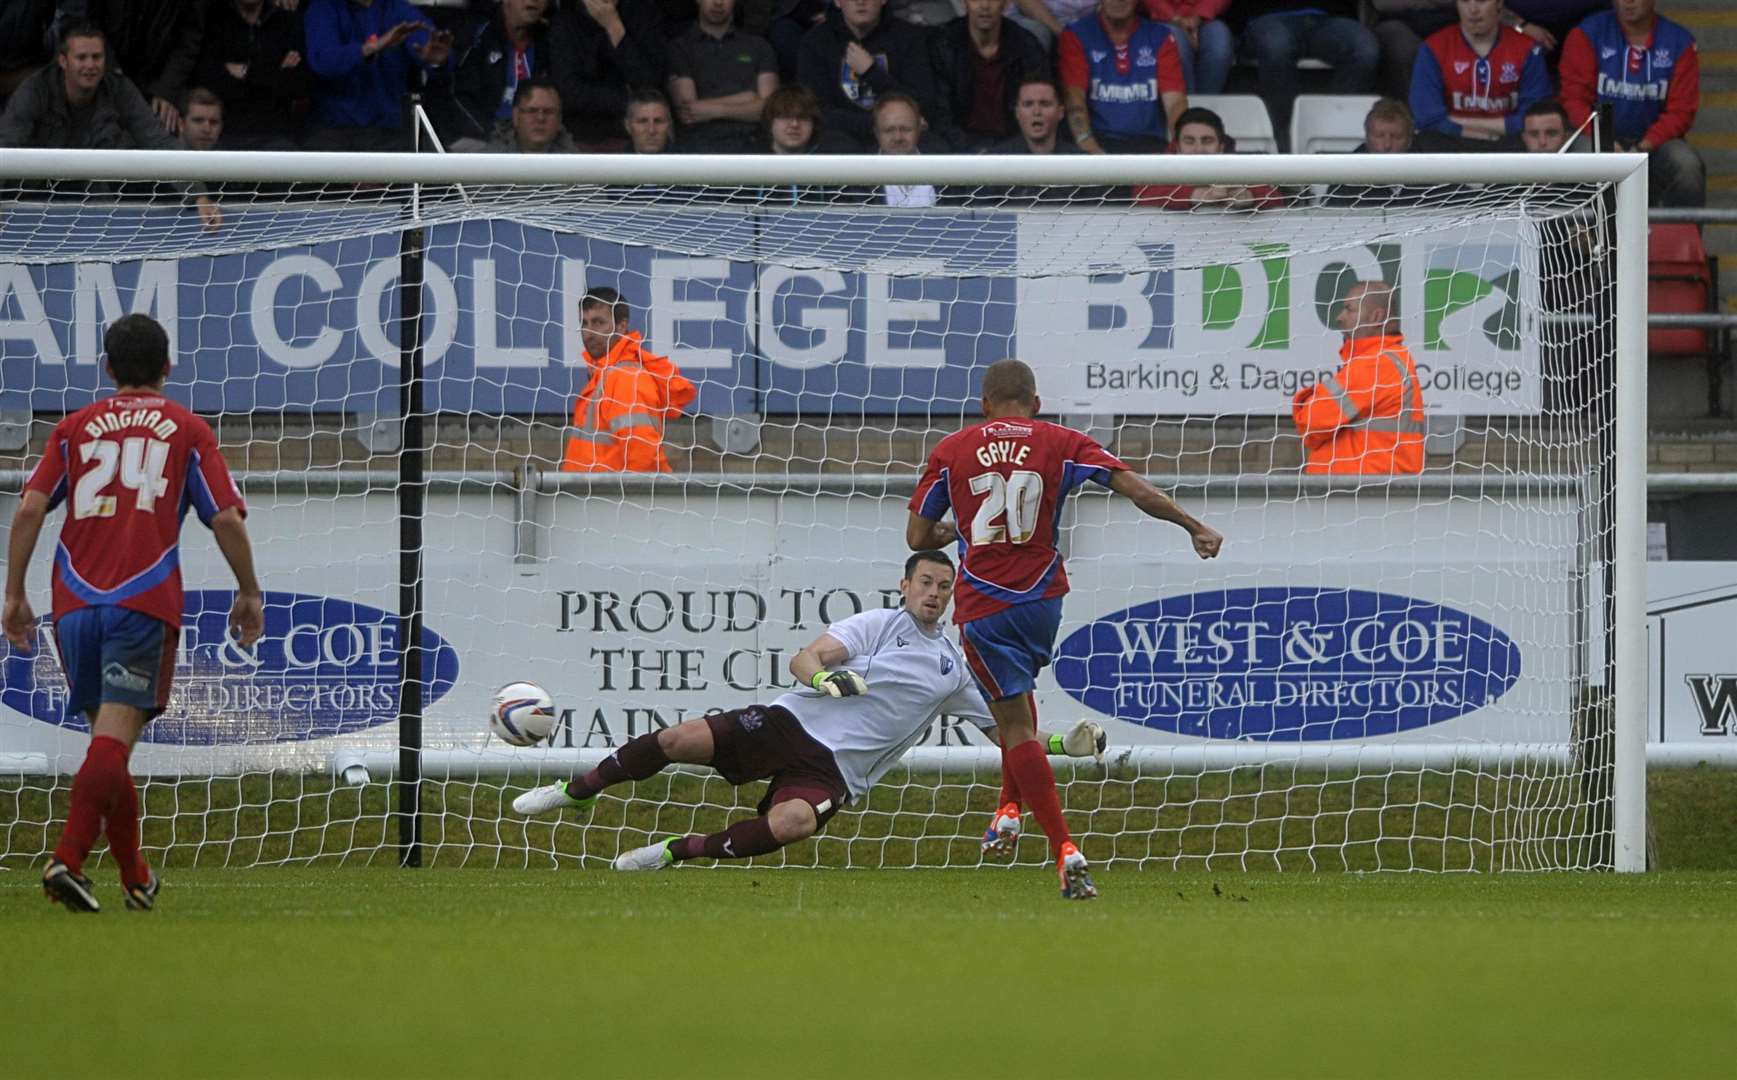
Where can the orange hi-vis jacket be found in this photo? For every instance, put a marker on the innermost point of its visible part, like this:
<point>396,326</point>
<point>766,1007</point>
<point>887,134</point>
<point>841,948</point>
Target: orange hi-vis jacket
<point>618,420</point>
<point>1368,418</point>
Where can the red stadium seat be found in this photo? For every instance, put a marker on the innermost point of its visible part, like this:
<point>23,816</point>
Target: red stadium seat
<point>1678,282</point>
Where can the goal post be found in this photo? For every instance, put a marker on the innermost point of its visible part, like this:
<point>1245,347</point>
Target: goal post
<point>485,563</point>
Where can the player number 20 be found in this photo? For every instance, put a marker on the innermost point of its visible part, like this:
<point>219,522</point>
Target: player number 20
<point>141,463</point>
<point>1015,499</point>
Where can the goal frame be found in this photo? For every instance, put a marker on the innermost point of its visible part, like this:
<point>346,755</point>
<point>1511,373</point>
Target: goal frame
<point>1626,172</point>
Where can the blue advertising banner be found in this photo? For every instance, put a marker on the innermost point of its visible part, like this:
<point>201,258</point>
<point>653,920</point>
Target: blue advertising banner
<point>324,666</point>
<point>823,312</point>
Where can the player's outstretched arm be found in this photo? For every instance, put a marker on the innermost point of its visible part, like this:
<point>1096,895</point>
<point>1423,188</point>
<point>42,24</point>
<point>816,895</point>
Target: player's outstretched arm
<point>921,534</point>
<point>1086,738</point>
<point>20,621</point>
<point>247,613</point>
<point>1156,504</point>
<point>812,663</point>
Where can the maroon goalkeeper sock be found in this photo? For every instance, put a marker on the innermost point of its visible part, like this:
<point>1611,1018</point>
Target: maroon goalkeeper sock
<point>123,831</point>
<point>742,840</point>
<point>637,759</point>
<point>93,793</point>
<point>1030,767</point>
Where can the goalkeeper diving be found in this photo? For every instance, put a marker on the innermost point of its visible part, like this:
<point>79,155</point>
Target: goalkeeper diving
<point>874,683</point>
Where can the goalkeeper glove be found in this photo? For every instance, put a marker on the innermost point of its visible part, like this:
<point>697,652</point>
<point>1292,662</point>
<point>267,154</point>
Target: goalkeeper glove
<point>839,683</point>
<point>1085,739</point>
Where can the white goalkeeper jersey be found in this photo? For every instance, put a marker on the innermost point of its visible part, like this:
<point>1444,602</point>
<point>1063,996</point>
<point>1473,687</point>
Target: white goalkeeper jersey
<point>912,677</point>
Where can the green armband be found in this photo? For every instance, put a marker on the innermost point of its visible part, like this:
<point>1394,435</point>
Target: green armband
<point>1055,746</point>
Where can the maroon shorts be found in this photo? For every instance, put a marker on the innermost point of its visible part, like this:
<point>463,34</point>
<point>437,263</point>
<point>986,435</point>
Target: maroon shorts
<point>765,742</point>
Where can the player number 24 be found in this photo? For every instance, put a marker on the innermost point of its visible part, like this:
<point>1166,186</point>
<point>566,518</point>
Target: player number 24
<point>141,463</point>
<point>1017,496</point>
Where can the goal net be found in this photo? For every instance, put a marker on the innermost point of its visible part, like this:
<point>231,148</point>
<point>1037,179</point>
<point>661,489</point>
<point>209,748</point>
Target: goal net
<point>1411,672</point>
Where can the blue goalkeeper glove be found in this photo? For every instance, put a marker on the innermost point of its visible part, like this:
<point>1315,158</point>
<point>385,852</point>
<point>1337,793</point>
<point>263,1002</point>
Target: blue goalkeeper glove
<point>839,683</point>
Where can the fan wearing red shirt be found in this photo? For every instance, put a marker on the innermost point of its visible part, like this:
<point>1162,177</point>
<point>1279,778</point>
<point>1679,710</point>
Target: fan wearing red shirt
<point>1201,131</point>
<point>1122,80</point>
<point>131,465</point>
<point>1007,478</point>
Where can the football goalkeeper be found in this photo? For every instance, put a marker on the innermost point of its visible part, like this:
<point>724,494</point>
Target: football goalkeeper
<point>876,682</point>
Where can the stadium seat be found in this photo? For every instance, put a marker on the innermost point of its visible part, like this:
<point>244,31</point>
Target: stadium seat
<point>1679,281</point>
<point>1245,120</point>
<point>1329,123</point>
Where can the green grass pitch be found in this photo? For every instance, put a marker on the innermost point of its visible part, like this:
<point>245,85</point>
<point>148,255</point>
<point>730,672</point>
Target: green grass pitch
<point>376,972</point>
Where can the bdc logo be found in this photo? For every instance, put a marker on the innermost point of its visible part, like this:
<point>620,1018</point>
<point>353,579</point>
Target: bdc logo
<point>1444,294</point>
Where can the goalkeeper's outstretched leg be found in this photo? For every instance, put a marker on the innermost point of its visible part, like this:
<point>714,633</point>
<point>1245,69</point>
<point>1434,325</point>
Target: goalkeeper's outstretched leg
<point>760,742</point>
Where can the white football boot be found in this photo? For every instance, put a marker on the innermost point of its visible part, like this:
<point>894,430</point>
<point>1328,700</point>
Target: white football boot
<point>650,857</point>
<point>549,797</point>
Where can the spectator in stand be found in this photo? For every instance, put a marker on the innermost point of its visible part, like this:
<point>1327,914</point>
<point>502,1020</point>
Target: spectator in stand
<point>361,53</point>
<point>252,57</point>
<point>649,125</point>
<point>720,79</point>
<point>155,43</point>
<point>1278,33</point>
<point>1387,129</point>
<point>1038,109</point>
<point>26,41</point>
<point>1201,131</point>
<point>1647,69</point>
<point>1544,129</point>
<point>899,128</point>
<point>1203,39</point>
<point>534,127</point>
<point>201,120</point>
<point>1400,27</point>
<point>600,51</point>
<point>855,57</point>
<point>980,61</point>
<point>1041,132</point>
<point>1121,79</point>
<point>791,124</point>
<point>78,103</point>
<point>493,53</point>
<point>1474,82</point>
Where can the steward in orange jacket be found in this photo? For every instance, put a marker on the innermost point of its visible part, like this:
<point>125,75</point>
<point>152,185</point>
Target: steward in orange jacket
<point>618,420</point>
<point>1368,418</point>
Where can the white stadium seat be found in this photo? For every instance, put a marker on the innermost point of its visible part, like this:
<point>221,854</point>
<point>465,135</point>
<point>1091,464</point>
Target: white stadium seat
<point>1245,120</point>
<point>1329,123</point>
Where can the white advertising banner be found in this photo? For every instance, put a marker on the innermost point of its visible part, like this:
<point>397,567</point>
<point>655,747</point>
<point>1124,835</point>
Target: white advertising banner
<point>1344,618</point>
<point>1692,642</point>
<point>1244,318</point>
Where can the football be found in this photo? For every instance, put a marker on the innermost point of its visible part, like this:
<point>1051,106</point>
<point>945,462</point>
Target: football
<point>523,714</point>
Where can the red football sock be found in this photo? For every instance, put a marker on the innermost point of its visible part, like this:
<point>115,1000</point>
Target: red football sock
<point>123,830</point>
<point>93,794</point>
<point>1009,785</point>
<point>1030,768</point>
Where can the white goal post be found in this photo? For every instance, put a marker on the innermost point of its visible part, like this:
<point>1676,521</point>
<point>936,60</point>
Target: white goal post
<point>794,465</point>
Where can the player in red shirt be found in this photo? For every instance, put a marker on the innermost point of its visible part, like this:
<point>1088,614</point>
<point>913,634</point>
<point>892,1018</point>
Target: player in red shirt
<point>1007,477</point>
<point>131,464</point>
